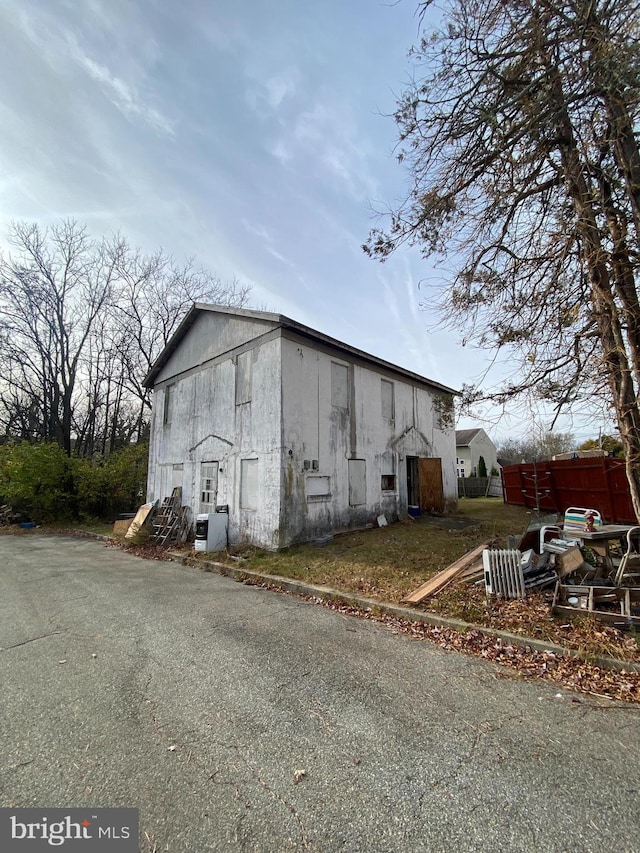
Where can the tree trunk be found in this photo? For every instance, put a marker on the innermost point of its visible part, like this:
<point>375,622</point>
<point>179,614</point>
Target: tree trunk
<point>616,364</point>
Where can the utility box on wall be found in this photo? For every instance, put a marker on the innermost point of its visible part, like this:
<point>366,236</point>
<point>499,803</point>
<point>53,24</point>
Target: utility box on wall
<point>211,531</point>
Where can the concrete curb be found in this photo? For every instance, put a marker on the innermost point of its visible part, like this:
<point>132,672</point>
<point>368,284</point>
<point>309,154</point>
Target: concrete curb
<point>360,602</point>
<point>409,614</point>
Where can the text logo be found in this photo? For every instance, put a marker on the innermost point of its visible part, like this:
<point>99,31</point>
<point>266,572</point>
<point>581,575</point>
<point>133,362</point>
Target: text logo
<point>73,830</point>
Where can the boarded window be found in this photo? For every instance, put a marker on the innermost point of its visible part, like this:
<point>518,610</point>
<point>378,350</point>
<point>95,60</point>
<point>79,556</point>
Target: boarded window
<point>170,477</point>
<point>357,482</point>
<point>318,487</point>
<point>339,385</point>
<point>243,378</point>
<point>169,400</point>
<point>249,484</point>
<point>387,396</point>
<point>388,472</point>
<point>208,486</point>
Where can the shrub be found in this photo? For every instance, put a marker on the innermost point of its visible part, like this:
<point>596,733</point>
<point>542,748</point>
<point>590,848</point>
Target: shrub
<point>43,483</point>
<point>37,481</point>
<point>482,467</point>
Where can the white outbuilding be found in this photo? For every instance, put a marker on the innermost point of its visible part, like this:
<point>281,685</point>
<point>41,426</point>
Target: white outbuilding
<point>297,434</point>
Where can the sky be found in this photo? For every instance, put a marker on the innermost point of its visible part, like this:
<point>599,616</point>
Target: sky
<point>254,136</point>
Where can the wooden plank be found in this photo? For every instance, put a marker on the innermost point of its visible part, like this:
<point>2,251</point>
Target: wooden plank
<point>437,582</point>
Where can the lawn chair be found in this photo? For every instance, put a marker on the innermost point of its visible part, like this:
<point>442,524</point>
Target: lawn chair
<point>630,563</point>
<point>576,521</point>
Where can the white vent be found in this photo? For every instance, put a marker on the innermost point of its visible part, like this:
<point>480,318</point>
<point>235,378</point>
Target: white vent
<point>503,573</point>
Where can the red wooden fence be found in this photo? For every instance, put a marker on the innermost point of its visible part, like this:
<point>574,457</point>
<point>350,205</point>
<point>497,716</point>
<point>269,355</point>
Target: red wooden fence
<point>598,483</point>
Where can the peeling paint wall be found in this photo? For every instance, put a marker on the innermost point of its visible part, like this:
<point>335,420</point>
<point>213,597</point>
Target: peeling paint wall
<point>211,336</point>
<point>207,425</point>
<point>326,429</point>
<point>295,438</point>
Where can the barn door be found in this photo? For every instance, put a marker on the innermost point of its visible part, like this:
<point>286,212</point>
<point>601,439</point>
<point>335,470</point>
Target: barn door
<point>430,480</point>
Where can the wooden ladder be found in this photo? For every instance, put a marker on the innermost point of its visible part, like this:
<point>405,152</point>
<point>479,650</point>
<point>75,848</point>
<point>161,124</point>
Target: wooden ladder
<point>169,521</point>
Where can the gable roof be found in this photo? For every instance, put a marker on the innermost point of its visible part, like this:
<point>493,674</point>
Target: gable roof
<point>286,324</point>
<point>464,437</point>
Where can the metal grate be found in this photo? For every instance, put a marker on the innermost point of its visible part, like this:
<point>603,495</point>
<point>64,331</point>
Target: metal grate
<point>503,574</point>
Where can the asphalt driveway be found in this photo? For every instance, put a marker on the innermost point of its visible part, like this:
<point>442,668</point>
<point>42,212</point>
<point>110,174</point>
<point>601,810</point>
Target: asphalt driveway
<point>238,719</point>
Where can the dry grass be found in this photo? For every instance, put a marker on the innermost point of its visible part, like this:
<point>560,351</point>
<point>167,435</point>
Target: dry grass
<point>390,562</point>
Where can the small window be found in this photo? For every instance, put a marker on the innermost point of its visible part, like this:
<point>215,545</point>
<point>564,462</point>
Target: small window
<point>169,396</point>
<point>443,411</point>
<point>243,378</point>
<point>388,472</point>
<point>339,385</point>
<point>387,397</point>
<point>249,484</point>
<point>208,486</point>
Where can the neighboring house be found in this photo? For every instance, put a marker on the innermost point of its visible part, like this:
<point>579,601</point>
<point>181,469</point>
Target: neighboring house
<point>471,444</point>
<point>297,433</point>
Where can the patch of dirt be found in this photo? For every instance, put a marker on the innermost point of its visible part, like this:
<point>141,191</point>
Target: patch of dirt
<point>445,522</point>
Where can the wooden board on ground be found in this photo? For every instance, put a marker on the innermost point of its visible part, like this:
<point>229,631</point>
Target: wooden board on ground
<point>140,528</point>
<point>437,582</point>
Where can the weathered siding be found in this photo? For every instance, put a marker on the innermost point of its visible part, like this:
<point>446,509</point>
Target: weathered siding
<point>207,425</point>
<point>210,336</point>
<point>296,435</point>
<point>322,434</point>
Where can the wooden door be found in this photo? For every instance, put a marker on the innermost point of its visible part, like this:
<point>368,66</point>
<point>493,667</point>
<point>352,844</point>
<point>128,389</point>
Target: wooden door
<point>431,490</point>
<point>208,486</point>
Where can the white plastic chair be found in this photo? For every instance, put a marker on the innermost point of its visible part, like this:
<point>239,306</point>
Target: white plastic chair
<point>574,523</point>
<point>631,557</point>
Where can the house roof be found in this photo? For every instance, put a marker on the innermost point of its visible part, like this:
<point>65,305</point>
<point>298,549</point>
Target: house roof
<point>284,323</point>
<point>464,437</point>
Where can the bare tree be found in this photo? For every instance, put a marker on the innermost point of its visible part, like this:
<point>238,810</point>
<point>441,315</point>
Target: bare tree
<point>81,322</point>
<point>533,449</point>
<point>156,294</point>
<point>519,138</point>
<point>51,293</point>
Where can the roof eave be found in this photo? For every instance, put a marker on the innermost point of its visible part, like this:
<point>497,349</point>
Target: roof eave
<point>285,323</point>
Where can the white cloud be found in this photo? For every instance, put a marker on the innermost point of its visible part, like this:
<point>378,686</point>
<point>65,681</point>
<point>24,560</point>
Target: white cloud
<point>123,96</point>
<point>281,86</point>
<point>328,139</point>
<point>268,95</point>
